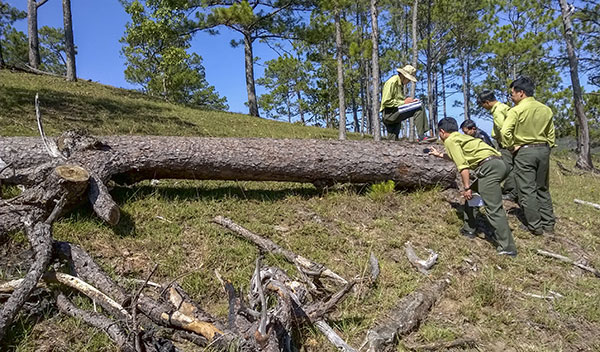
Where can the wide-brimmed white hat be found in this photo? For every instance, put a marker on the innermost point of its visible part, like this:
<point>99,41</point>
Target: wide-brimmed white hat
<point>408,71</point>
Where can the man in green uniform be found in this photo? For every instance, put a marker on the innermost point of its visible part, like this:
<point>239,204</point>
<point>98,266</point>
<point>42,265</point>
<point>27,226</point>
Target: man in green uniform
<point>529,132</point>
<point>474,154</point>
<point>392,97</point>
<point>488,101</point>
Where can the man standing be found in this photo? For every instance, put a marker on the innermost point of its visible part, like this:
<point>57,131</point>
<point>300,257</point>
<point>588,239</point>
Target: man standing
<point>488,101</point>
<point>392,98</point>
<point>472,153</point>
<point>469,127</point>
<point>529,132</point>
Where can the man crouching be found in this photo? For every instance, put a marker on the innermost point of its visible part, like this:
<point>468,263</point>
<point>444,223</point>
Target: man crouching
<point>474,154</point>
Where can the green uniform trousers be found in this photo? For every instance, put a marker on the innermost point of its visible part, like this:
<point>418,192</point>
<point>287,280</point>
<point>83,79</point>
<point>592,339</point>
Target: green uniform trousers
<point>510,186</point>
<point>392,119</point>
<point>489,175</point>
<point>532,166</point>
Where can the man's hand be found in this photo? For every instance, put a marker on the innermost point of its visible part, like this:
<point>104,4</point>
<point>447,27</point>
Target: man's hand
<point>468,194</point>
<point>435,152</point>
<point>516,148</point>
<point>410,100</point>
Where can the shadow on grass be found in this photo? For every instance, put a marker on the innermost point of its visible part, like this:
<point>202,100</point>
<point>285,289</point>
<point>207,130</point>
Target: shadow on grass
<point>127,228</point>
<point>482,226</point>
<point>83,111</point>
<point>123,194</point>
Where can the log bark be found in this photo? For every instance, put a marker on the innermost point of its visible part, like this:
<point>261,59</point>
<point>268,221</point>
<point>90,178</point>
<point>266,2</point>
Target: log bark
<point>107,325</point>
<point>40,237</point>
<point>249,159</point>
<point>406,316</point>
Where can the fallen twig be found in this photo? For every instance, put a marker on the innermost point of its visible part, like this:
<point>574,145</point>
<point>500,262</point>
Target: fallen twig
<point>422,265</point>
<point>552,294</point>
<point>569,260</point>
<point>51,147</point>
<point>90,291</point>
<point>374,265</point>
<point>136,332</point>
<point>333,337</point>
<point>40,238</point>
<point>306,265</point>
<point>99,321</point>
<point>597,206</point>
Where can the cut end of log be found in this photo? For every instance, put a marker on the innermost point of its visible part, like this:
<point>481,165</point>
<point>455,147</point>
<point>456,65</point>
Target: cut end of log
<point>72,173</point>
<point>113,216</point>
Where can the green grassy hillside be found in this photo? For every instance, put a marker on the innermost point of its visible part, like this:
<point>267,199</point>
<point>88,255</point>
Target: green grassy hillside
<point>105,110</point>
<point>490,299</point>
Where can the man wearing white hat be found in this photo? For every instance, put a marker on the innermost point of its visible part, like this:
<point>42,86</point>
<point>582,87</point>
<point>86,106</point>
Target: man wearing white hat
<point>392,98</point>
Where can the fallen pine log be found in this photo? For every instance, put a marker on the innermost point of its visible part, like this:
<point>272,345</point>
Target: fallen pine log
<point>128,159</point>
<point>250,159</point>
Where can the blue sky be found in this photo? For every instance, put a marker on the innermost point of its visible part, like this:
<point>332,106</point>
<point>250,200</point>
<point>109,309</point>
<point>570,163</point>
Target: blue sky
<point>99,25</point>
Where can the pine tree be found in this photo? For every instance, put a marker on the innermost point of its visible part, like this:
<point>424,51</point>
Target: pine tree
<point>155,46</point>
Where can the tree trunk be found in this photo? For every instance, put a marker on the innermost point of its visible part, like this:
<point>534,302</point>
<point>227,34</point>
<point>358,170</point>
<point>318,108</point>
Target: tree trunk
<point>69,42</point>
<point>1,56</point>
<point>250,86</point>
<point>32,27</point>
<point>340,75</point>
<point>434,115</point>
<point>584,156</point>
<point>465,89</point>
<point>300,108</point>
<point>444,89</point>
<point>375,72</point>
<point>372,112</point>
<point>355,115</point>
<point>415,52</point>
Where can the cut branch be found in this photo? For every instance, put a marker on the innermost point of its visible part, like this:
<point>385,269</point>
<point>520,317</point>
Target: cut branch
<point>422,265</point>
<point>597,206</point>
<point>333,337</point>
<point>562,258</point>
<point>406,316</point>
<point>92,292</point>
<point>102,203</point>
<point>307,266</point>
<point>99,321</point>
<point>40,238</point>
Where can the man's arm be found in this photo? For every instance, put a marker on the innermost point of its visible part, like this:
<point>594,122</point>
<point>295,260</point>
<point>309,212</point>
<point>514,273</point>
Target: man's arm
<point>464,175</point>
<point>508,128</point>
<point>499,116</point>
<point>551,133</point>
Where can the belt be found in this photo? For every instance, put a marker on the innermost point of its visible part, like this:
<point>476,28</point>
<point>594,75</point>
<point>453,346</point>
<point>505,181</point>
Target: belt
<point>491,157</point>
<point>534,145</point>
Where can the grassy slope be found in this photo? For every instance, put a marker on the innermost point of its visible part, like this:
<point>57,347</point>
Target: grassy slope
<point>105,110</point>
<point>170,224</point>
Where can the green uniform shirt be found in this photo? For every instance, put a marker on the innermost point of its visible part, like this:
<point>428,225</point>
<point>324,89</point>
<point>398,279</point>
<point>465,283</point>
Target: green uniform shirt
<point>529,122</point>
<point>467,152</point>
<point>392,95</point>
<point>499,112</point>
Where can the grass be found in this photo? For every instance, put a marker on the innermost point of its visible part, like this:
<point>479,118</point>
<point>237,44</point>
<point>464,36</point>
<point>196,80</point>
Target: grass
<point>170,224</point>
<point>105,110</point>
